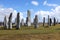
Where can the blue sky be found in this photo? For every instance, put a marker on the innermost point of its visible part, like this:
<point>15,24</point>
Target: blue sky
<point>23,5</point>
<point>42,8</point>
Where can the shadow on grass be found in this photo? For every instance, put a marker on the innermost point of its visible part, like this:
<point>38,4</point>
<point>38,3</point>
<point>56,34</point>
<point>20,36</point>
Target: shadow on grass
<point>46,27</point>
<point>57,29</point>
<point>21,28</point>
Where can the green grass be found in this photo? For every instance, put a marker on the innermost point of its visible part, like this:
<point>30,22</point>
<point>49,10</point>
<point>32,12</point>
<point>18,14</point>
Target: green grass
<point>31,30</point>
<point>29,33</point>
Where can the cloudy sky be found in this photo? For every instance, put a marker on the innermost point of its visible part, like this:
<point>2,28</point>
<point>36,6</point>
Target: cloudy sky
<point>42,8</point>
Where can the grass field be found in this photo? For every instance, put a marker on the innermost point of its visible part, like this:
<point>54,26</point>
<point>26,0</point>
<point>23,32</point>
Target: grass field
<point>25,33</point>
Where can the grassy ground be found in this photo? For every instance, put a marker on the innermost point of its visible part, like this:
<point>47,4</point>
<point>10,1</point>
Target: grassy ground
<point>25,33</point>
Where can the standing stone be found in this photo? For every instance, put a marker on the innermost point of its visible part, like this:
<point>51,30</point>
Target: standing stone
<point>10,21</point>
<point>36,21</point>
<point>15,21</point>
<point>26,21</point>
<point>18,21</point>
<point>29,19</point>
<point>54,21</point>
<point>22,22</point>
<point>5,23</point>
<point>57,21</point>
<point>43,21</point>
<point>50,21</point>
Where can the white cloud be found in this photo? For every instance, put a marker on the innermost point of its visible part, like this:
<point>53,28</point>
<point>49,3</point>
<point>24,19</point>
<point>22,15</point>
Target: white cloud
<point>48,4</point>
<point>6,12</point>
<point>53,13</point>
<point>45,2</point>
<point>57,12</point>
<point>35,3</point>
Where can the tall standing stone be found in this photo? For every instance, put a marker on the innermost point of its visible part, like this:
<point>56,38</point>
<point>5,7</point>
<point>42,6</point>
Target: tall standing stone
<point>26,21</point>
<point>29,19</point>
<point>5,23</point>
<point>48,21</point>
<point>57,21</point>
<point>10,21</point>
<point>18,21</point>
<point>36,21</point>
<point>54,21</point>
<point>22,22</point>
<point>15,21</point>
<point>43,21</point>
